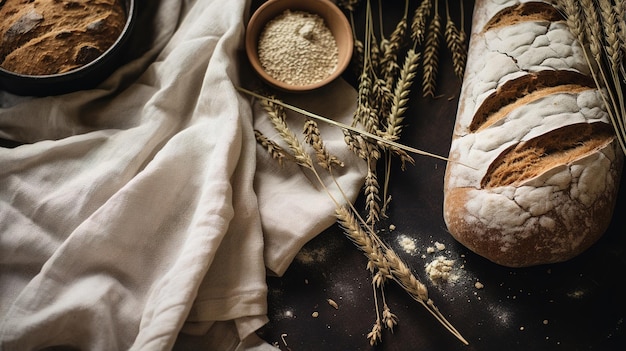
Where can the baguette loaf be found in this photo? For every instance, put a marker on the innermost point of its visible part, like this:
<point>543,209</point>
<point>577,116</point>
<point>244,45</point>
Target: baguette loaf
<point>534,165</point>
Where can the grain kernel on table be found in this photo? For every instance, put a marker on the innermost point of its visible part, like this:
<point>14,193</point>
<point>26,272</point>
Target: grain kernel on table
<point>298,48</point>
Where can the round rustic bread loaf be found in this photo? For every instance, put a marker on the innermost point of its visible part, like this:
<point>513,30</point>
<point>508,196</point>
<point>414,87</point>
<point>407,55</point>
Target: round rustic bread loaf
<point>42,37</point>
<point>534,165</point>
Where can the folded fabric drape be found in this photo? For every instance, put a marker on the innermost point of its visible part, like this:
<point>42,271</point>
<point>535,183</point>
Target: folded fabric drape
<point>145,206</point>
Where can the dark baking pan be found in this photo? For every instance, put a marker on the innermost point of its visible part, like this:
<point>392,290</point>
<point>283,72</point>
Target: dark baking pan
<point>84,77</point>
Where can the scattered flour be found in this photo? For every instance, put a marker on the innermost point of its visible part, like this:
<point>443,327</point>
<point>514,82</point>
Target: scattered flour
<point>311,256</point>
<point>440,270</point>
<point>407,244</point>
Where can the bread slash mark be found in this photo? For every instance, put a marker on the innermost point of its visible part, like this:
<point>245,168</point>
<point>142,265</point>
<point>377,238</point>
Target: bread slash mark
<point>529,11</point>
<point>561,146</point>
<point>524,89</point>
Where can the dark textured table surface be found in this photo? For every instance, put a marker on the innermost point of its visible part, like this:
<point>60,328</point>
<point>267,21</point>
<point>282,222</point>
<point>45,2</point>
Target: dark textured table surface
<point>576,305</point>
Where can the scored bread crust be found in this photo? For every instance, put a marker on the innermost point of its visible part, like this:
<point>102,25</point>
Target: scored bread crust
<point>534,166</point>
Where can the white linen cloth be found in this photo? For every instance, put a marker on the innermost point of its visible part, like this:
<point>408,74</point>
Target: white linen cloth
<point>138,209</point>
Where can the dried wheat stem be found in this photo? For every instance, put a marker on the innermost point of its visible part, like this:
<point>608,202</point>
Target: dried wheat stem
<point>456,44</point>
<point>272,148</point>
<point>349,5</point>
<point>364,241</point>
<point>431,54</point>
<point>378,100</point>
<point>382,97</point>
<point>371,196</point>
<point>354,143</point>
<point>401,96</point>
<point>403,276</point>
<point>614,57</point>
<point>596,37</point>
<point>277,116</point>
<point>387,262</point>
<point>612,44</point>
<point>462,34</point>
<point>375,335</point>
<point>390,320</point>
<point>584,32</point>
<point>357,57</point>
<point>593,30</point>
<point>418,22</point>
<point>363,108</point>
<point>620,9</point>
<point>611,23</point>
<point>393,45</point>
<point>395,117</point>
<point>346,127</point>
<point>313,137</point>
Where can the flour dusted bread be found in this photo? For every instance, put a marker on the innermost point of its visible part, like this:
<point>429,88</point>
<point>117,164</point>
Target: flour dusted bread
<point>534,164</point>
<point>41,37</point>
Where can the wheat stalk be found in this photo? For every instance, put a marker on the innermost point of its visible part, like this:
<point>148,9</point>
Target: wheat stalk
<point>586,25</point>
<point>277,116</point>
<point>273,149</point>
<point>393,46</point>
<point>371,196</point>
<point>431,54</point>
<point>382,261</point>
<point>383,92</point>
<point>379,139</point>
<point>390,265</point>
<point>418,23</point>
<point>313,137</point>
<point>620,9</point>
<point>396,113</point>
<point>401,96</point>
<point>349,5</point>
<point>382,96</point>
<point>613,51</point>
<point>455,41</point>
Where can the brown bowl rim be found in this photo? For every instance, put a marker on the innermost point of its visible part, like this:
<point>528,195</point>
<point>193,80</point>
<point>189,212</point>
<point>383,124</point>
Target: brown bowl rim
<point>255,27</point>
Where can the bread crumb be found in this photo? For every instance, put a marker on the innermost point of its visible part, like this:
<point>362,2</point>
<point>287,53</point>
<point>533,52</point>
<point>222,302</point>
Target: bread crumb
<point>479,285</point>
<point>407,244</point>
<point>437,247</point>
<point>392,227</point>
<point>440,269</point>
<point>315,314</point>
<point>333,303</point>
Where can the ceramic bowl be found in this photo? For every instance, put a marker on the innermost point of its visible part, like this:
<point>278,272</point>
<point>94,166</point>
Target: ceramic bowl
<point>81,78</point>
<point>334,19</point>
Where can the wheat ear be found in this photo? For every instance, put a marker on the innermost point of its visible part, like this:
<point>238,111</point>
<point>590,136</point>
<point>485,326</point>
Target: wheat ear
<point>431,54</point>
<point>613,50</point>
<point>456,44</point>
<point>418,22</point>
<point>277,116</point>
<point>393,45</point>
<point>387,262</point>
<point>313,137</point>
<point>272,148</point>
<point>400,96</point>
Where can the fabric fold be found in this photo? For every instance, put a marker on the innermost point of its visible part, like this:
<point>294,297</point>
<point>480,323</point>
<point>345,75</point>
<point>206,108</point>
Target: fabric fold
<point>143,207</point>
